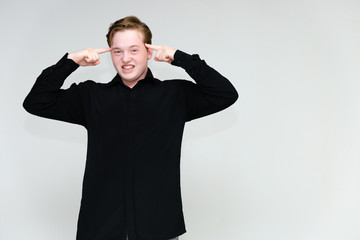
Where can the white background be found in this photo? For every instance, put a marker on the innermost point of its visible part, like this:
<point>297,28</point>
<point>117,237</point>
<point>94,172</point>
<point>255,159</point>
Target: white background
<point>281,163</point>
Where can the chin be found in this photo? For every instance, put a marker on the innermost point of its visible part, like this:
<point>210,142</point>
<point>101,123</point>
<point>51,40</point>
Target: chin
<point>128,79</point>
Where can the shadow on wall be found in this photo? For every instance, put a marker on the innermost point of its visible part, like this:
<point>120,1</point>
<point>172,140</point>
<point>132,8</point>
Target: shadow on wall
<point>54,130</point>
<point>214,124</point>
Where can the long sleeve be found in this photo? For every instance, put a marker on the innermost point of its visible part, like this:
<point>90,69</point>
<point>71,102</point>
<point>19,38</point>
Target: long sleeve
<point>46,99</point>
<point>212,91</point>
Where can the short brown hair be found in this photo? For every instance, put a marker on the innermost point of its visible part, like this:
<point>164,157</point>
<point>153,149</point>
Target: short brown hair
<point>130,22</point>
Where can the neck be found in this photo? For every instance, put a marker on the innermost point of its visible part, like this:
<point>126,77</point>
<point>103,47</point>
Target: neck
<point>130,84</point>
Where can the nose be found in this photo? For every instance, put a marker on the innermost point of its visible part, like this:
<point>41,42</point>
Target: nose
<point>126,57</point>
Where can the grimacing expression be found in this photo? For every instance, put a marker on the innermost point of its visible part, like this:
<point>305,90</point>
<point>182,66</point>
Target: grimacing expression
<point>130,56</point>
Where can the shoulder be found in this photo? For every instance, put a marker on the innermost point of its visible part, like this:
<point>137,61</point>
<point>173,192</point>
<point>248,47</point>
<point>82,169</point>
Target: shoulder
<point>177,83</point>
<point>91,84</point>
<point>87,86</point>
<point>175,87</point>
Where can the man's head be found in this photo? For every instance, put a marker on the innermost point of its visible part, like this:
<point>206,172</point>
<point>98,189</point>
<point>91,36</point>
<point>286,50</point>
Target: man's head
<point>127,38</point>
<point>129,23</point>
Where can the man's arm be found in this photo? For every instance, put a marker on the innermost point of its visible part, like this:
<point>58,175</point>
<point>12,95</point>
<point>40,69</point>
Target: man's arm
<point>46,99</point>
<point>212,93</point>
<point>88,56</point>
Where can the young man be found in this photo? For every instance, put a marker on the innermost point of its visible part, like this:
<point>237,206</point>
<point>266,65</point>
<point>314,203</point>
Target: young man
<point>135,124</point>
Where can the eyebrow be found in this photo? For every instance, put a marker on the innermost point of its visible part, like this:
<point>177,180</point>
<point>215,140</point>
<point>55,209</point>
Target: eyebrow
<point>132,46</point>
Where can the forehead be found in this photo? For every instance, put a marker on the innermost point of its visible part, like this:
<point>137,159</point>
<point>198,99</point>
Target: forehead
<point>127,38</point>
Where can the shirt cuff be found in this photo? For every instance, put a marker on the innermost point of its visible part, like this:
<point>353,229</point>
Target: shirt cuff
<point>69,64</point>
<point>182,59</point>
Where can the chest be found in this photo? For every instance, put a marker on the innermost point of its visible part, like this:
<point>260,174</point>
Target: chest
<point>148,107</point>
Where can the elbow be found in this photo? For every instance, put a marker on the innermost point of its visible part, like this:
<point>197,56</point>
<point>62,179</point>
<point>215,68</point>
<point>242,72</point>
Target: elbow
<point>235,97</point>
<point>227,101</point>
<point>231,98</point>
<point>28,106</point>
<point>31,106</point>
<point>231,95</point>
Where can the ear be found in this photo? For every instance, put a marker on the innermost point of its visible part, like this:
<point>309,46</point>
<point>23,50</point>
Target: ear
<point>150,53</point>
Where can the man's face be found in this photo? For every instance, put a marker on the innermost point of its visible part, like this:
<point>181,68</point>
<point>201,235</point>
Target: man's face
<point>130,56</point>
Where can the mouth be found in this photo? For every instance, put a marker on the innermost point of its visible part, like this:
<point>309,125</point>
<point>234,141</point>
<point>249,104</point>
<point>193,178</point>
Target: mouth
<point>127,67</point>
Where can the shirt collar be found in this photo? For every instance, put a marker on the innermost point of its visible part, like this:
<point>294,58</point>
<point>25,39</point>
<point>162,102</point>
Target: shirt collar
<point>149,78</point>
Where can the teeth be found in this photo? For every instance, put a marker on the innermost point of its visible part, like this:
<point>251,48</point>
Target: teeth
<point>127,67</point>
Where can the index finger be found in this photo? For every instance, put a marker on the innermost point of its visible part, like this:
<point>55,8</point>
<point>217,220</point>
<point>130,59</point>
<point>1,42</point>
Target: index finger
<point>154,47</point>
<point>102,50</point>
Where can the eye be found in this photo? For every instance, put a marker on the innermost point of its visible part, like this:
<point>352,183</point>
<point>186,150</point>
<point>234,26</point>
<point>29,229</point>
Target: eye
<point>134,50</point>
<point>116,52</point>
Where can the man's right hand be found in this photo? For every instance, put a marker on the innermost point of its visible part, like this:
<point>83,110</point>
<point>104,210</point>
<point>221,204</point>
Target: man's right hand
<point>88,56</point>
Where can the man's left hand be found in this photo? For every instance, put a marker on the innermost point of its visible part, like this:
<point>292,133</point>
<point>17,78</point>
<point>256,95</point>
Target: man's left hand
<point>163,53</point>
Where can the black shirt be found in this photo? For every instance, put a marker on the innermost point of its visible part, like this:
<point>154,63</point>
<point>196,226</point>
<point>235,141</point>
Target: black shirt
<point>132,175</point>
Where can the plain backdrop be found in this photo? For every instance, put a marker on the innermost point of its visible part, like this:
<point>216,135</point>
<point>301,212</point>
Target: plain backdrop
<point>281,163</point>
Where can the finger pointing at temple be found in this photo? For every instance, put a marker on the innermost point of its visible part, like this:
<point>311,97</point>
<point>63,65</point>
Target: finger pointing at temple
<point>102,50</point>
<point>153,47</point>
<point>88,56</point>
